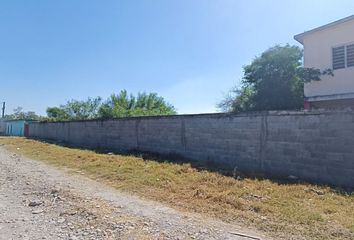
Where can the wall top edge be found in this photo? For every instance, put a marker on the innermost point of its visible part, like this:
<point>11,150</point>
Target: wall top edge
<point>215,115</point>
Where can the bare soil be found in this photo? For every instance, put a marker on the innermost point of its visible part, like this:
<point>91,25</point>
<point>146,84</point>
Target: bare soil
<point>38,201</point>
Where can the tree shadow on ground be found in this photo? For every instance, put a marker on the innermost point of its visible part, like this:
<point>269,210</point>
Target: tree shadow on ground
<point>210,166</point>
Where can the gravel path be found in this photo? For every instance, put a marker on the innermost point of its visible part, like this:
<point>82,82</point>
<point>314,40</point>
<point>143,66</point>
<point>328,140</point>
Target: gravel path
<point>38,201</point>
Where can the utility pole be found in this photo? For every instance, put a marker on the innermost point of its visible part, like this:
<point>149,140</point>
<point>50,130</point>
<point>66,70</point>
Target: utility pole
<point>3,110</point>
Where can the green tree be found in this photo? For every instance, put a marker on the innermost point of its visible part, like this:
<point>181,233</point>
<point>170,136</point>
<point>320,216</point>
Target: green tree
<point>57,113</point>
<point>80,110</point>
<point>76,110</point>
<point>124,105</point>
<point>237,100</point>
<point>117,105</point>
<point>20,114</point>
<point>273,81</point>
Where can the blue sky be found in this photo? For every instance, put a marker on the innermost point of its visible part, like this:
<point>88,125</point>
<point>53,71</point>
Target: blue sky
<point>189,51</point>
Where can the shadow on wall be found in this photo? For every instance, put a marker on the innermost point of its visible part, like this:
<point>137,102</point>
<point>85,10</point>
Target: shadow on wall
<point>210,166</point>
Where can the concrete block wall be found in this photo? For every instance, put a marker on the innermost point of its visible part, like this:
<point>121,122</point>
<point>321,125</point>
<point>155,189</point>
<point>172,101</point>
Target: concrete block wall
<point>314,146</point>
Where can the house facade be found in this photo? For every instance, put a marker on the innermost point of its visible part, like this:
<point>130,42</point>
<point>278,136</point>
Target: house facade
<point>330,47</point>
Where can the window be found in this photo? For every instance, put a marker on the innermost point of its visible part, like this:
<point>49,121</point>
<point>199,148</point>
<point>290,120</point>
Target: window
<point>343,56</point>
<point>350,55</point>
<point>338,57</point>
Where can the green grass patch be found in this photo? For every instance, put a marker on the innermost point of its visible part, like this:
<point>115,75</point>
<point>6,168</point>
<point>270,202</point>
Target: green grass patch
<point>285,211</point>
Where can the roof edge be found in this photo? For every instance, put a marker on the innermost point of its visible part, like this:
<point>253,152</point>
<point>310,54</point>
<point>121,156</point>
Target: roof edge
<point>300,37</point>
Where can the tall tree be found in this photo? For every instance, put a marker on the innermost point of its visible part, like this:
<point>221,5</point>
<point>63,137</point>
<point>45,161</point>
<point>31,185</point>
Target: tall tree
<point>273,81</point>
<point>86,109</point>
<point>124,105</point>
<point>76,110</point>
<point>57,113</point>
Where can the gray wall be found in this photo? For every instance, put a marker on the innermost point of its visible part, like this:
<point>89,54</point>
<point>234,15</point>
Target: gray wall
<point>2,127</point>
<point>314,146</point>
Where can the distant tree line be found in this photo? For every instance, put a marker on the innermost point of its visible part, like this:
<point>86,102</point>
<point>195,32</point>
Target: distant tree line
<point>20,114</point>
<point>117,105</point>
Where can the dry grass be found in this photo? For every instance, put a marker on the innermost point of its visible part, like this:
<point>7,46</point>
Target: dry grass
<point>286,211</point>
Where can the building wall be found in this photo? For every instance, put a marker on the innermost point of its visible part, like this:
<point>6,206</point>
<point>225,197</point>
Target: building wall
<point>333,104</point>
<point>317,147</point>
<point>2,127</point>
<point>15,128</point>
<point>318,54</point>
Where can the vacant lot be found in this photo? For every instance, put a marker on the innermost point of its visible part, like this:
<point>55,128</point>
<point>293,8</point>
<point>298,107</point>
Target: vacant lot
<point>284,211</point>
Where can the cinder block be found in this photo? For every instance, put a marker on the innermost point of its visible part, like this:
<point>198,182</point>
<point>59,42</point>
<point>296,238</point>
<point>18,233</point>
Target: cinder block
<point>286,143</point>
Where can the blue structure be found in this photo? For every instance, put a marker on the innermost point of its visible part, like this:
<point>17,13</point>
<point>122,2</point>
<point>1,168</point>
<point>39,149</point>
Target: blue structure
<point>15,127</point>
<point>2,127</point>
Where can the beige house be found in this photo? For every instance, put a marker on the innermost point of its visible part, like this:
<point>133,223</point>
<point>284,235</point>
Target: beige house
<point>330,46</point>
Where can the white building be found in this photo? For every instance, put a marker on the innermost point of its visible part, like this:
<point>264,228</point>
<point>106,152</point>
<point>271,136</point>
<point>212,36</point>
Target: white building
<point>330,46</point>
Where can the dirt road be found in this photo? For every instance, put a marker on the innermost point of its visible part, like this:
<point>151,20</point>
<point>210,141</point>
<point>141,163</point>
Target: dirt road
<point>38,201</point>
